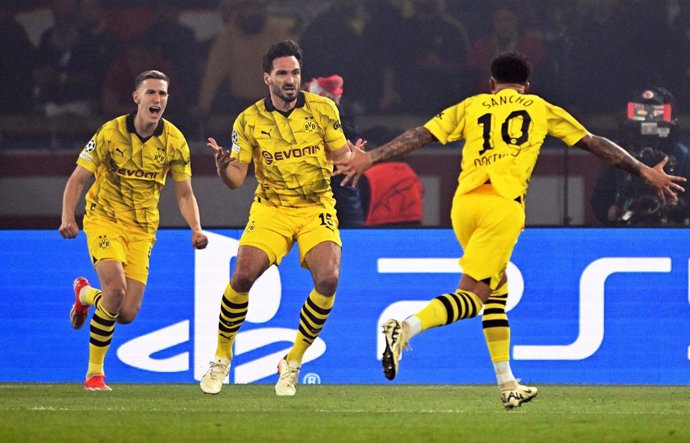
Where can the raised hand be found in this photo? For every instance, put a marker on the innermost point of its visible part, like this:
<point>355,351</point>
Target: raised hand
<point>355,164</point>
<point>221,155</point>
<point>665,185</point>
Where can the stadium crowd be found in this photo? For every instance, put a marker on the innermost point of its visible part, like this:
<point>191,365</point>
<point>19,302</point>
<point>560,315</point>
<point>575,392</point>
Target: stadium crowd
<point>75,57</point>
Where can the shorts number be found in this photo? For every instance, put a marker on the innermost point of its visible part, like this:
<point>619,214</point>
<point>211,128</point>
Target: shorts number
<point>327,219</point>
<point>485,122</point>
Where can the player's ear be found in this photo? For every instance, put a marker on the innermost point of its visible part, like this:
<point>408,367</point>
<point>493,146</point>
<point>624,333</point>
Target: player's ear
<point>492,84</point>
<point>527,85</point>
<point>135,96</point>
<point>266,77</point>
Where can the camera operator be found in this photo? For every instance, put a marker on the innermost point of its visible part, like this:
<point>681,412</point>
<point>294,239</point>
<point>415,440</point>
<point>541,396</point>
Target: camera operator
<point>650,133</point>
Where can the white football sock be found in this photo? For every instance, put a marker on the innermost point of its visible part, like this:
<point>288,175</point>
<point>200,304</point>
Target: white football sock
<point>414,326</point>
<point>503,372</point>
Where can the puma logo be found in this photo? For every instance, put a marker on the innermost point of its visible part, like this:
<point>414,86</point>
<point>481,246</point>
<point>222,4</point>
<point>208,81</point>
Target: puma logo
<point>122,153</point>
<point>267,133</point>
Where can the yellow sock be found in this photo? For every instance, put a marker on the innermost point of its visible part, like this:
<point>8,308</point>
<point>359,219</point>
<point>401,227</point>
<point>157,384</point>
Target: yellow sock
<point>496,327</point>
<point>448,308</point>
<point>101,334</point>
<point>233,311</point>
<point>88,295</point>
<point>312,317</point>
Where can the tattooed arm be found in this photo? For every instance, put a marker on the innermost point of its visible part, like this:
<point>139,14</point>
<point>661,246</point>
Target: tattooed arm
<point>360,161</point>
<point>664,184</point>
<point>611,153</point>
<point>408,141</point>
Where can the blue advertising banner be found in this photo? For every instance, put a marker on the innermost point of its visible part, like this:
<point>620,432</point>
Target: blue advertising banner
<point>608,306</point>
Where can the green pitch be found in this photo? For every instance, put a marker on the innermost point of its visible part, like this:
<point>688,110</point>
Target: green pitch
<point>341,413</point>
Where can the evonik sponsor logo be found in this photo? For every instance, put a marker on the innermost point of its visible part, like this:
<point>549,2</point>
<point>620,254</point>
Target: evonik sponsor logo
<point>290,153</point>
<point>138,173</point>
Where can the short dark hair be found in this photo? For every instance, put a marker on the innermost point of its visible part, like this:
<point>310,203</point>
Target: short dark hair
<point>286,48</point>
<point>510,67</point>
<point>158,75</point>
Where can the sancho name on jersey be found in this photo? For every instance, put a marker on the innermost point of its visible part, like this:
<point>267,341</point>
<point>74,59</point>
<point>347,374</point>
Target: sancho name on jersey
<point>503,134</point>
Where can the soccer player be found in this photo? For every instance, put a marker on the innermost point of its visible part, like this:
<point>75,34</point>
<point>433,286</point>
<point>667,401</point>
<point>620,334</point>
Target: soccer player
<point>130,157</point>
<point>291,136</point>
<point>503,133</point>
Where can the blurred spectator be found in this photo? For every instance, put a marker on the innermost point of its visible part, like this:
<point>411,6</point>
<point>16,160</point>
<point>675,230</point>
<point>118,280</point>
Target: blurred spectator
<point>474,15</point>
<point>380,50</point>
<point>678,53</point>
<point>130,19</point>
<point>176,43</point>
<point>17,59</point>
<point>430,66</point>
<point>303,12</point>
<point>233,72</point>
<point>56,92</point>
<point>600,58</point>
<point>390,193</point>
<point>508,34</point>
<point>92,53</point>
<point>649,36</point>
<point>649,133</point>
<point>557,19</point>
<point>348,201</point>
<point>117,87</point>
<point>334,43</point>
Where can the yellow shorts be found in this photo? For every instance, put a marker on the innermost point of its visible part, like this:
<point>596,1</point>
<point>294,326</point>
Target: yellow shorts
<point>111,241</point>
<point>487,226</point>
<point>274,230</point>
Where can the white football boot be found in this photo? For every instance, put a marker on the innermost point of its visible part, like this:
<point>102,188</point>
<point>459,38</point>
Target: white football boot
<point>287,379</point>
<point>514,394</point>
<point>396,341</point>
<point>212,381</point>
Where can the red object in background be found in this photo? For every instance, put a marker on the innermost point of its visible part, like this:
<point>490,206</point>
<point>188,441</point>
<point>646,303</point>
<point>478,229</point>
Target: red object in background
<point>396,194</point>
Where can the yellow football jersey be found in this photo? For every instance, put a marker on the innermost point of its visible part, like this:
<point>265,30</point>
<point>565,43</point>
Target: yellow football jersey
<point>503,135</point>
<point>130,172</point>
<point>290,150</point>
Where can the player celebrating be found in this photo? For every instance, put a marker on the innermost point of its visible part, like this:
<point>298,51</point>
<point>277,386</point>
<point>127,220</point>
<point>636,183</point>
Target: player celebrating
<point>130,157</point>
<point>291,136</point>
<point>503,133</point>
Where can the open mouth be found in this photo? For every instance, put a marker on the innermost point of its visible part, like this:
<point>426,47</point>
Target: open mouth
<point>155,110</point>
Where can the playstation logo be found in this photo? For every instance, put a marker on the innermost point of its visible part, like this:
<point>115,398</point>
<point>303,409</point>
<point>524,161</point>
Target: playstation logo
<point>210,281</point>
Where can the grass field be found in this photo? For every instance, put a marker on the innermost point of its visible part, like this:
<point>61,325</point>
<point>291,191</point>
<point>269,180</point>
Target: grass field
<point>335,413</point>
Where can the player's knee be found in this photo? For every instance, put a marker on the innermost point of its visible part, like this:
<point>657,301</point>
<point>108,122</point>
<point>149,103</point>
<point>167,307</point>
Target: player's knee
<point>242,281</point>
<point>114,296</point>
<point>327,284</point>
<point>127,316</point>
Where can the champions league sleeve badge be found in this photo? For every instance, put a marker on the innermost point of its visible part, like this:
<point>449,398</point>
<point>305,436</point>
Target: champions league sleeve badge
<point>235,139</point>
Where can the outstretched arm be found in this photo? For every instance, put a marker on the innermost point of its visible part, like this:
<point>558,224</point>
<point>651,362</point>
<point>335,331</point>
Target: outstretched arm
<point>664,184</point>
<point>408,141</point>
<point>354,166</point>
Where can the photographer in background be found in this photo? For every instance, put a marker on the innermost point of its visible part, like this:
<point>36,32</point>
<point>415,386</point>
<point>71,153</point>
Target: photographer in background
<point>649,133</point>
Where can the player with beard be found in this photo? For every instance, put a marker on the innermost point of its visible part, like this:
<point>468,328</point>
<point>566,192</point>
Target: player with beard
<point>292,137</point>
<point>130,158</point>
